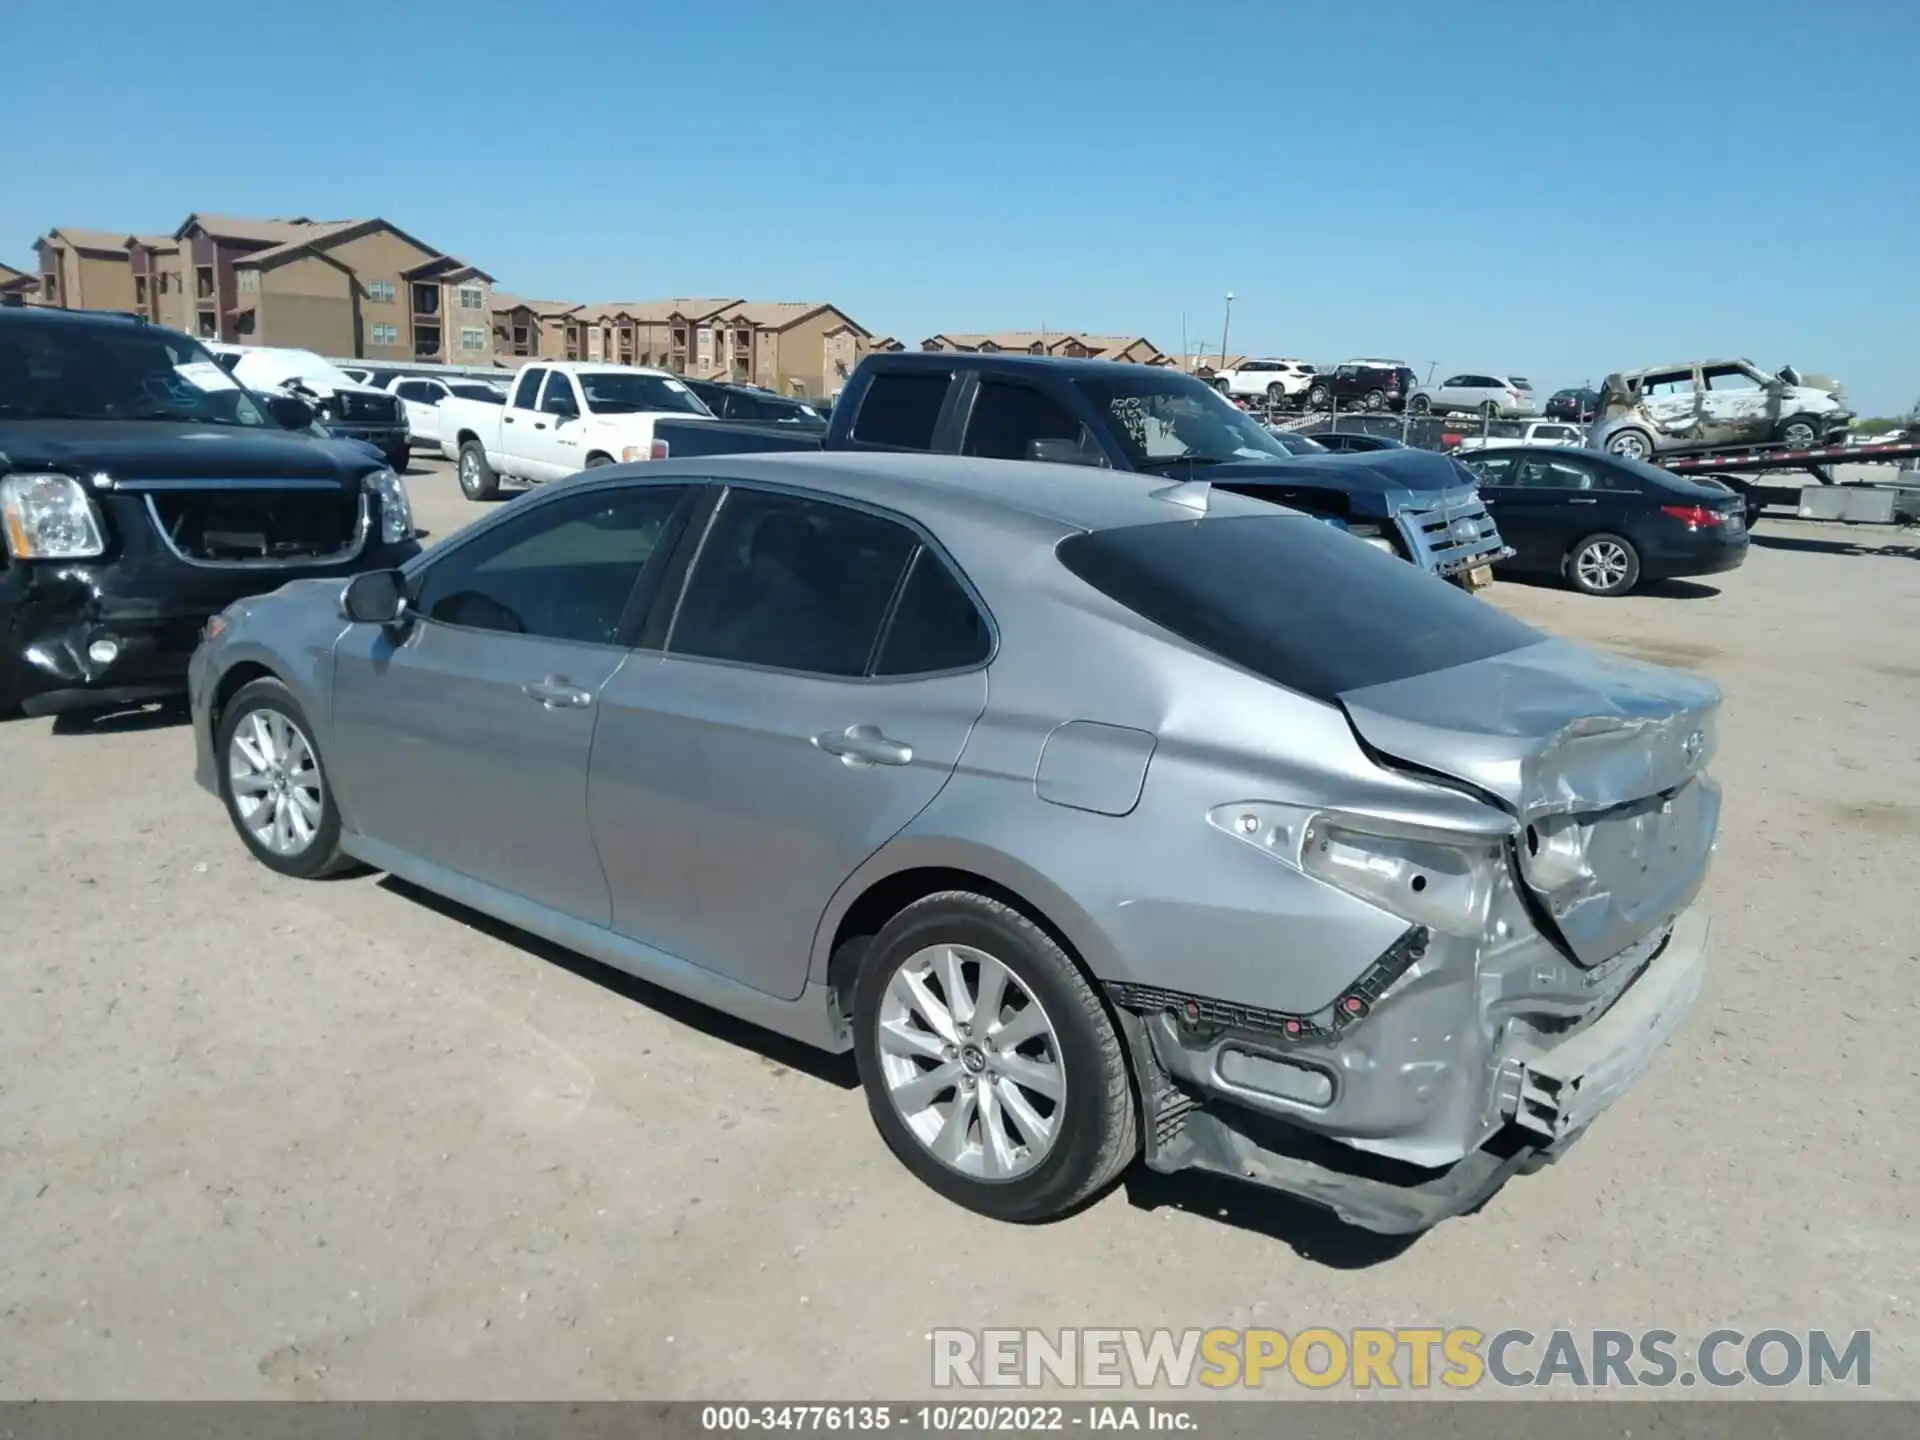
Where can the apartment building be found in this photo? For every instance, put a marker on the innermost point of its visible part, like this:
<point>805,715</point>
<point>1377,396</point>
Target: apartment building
<point>18,287</point>
<point>85,269</point>
<point>533,329</point>
<point>1071,344</point>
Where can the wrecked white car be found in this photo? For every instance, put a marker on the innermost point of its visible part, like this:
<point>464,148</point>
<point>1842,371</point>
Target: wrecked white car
<point>1711,404</point>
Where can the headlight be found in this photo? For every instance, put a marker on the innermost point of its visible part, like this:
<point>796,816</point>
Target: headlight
<point>49,517</point>
<point>396,511</point>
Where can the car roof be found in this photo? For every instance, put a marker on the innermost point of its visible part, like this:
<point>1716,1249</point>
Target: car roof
<point>1691,364</point>
<point>1011,360</point>
<point>597,367</point>
<point>45,315</point>
<point>928,487</point>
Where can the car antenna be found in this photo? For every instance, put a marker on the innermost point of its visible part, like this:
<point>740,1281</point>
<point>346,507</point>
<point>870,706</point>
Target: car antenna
<point>1191,494</point>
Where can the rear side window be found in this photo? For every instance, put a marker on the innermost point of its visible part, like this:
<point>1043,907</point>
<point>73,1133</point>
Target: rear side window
<point>1292,600</point>
<point>935,625</point>
<point>901,408</point>
<point>1007,418</point>
<point>793,584</point>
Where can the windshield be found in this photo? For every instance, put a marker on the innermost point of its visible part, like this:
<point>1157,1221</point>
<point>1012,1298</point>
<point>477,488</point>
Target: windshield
<point>266,368</point>
<point>113,372</point>
<point>490,394</point>
<point>614,393</point>
<point>1161,419</point>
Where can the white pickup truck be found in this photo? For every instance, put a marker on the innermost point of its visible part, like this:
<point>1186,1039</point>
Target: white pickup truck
<point>560,417</point>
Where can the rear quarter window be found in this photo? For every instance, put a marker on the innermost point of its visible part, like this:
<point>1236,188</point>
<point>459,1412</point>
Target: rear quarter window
<point>1292,600</point>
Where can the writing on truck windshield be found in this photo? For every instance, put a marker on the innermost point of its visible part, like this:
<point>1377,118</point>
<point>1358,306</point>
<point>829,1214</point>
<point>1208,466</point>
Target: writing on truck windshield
<point>50,372</point>
<point>1162,420</point>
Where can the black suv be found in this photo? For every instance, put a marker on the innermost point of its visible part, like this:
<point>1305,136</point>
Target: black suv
<point>142,491</point>
<point>1362,384</point>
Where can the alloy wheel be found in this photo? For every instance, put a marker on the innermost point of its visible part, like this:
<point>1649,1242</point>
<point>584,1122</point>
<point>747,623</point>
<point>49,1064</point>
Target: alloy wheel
<point>1630,446</point>
<point>469,471</point>
<point>274,778</point>
<point>1602,565</point>
<point>971,1062</point>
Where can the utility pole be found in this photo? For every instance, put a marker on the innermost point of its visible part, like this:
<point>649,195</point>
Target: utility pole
<point>1184,353</point>
<point>1224,324</point>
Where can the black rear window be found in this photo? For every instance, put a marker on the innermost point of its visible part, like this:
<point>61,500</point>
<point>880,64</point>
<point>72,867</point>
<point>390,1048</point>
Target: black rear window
<point>901,408</point>
<point>1293,600</point>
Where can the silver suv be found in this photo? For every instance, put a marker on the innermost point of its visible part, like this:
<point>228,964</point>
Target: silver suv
<point>1705,404</point>
<point>1505,397</point>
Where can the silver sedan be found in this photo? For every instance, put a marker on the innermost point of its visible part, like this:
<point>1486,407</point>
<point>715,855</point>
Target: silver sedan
<point>1100,817</point>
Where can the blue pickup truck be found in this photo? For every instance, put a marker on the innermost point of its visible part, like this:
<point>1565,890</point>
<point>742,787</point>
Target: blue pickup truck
<point>1421,506</point>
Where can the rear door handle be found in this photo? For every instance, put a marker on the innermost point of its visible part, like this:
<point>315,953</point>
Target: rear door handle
<point>1581,500</point>
<point>863,746</point>
<point>557,693</point>
<point>506,419</point>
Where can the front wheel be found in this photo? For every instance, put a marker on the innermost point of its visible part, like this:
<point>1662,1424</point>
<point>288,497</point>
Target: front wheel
<point>1420,405</point>
<point>398,458</point>
<point>992,1070</point>
<point>1604,565</point>
<point>274,785</point>
<point>1225,387</point>
<point>1376,400</point>
<point>1631,445</point>
<point>477,479</point>
<point>1319,398</point>
<point>1802,432</point>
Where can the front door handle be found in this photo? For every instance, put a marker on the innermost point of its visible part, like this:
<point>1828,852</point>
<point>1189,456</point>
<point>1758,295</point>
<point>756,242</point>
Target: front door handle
<point>506,419</point>
<point>539,424</point>
<point>1581,500</point>
<point>556,693</point>
<point>862,746</point>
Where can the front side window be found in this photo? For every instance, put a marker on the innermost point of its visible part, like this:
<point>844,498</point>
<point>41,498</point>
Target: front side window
<point>558,398</point>
<point>116,372</point>
<point>1732,377</point>
<point>1292,600</point>
<point>1007,419</point>
<point>560,571</point>
<point>1492,469</point>
<point>423,392</point>
<point>526,392</point>
<point>484,393</point>
<point>1538,472</point>
<point>792,583</point>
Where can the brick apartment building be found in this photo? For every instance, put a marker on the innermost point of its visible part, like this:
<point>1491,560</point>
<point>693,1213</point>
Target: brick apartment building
<point>796,347</point>
<point>1073,344</point>
<point>343,287</point>
<point>18,287</point>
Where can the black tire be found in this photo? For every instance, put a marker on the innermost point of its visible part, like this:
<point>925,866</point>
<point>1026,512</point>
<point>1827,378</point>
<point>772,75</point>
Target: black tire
<point>320,855</point>
<point>1223,386</point>
<point>1632,444</point>
<point>1375,400</point>
<point>596,460</point>
<point>1802,432</point>
<point>1590,568</point>
<point>1420,405</point>
<point>399,458</point>
<point>1099,1135</point>
<point>1490,409</point>
<point>477,480</point>
<point>1320,398</point>
<point>1276,394</point>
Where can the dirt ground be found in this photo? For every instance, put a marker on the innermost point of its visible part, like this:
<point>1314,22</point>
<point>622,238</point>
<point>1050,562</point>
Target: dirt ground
<point>268,1139</point>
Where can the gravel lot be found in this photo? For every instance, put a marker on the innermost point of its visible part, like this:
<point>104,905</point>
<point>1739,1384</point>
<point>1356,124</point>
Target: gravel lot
<point>263,1139</point>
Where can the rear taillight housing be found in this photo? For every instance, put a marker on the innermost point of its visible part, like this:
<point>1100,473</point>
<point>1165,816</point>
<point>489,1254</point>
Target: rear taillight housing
<point>659,450</point>
<point>1695,517</point>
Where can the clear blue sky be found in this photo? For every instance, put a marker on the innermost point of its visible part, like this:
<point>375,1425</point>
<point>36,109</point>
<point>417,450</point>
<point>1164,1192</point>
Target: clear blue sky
<point>1553,188</point>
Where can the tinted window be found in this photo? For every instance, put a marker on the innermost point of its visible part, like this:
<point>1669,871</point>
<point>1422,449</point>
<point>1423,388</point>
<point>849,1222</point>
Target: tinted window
<point>792,583</point>
<point>486,394</point>
<point>527,391</point>
<point>1538,472</point>
<point>901,409</point>
<point>423,391</point>
<point>561,571</point>
<point>1007,417</point>
<point>1492,469</point>
<point>558,399</point>
<point>936,625</point>
<point>1292,600</point>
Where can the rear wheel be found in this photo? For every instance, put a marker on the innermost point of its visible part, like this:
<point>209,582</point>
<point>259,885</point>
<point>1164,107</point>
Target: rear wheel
<point>596,460</point>
<point>274,785</point>
<point>477,480</point>
<point>1490,409</point>
<point>1631,445</point>
<point>1223,386</point>
<point>1604,565</point>
<point>1375,400</point>
<point>992,1069</point>
<point>1420,405</point>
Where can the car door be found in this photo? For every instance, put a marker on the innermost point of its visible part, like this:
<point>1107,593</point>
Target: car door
<point>517,419</point>
<point>1670,400</point>
<point>462,737</point>
<point>421,400</point>
<point>1451,394</point>
<point>557,443</point>
<point>1556,501</point>
<point>1007,417</point>
<point>1737,407</point>
<point>823,669</point>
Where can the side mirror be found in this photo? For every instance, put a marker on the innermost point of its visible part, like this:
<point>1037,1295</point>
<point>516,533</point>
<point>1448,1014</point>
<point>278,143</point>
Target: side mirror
<point>375,598</point>
<point>1063,452</point>
<point>289,412</point>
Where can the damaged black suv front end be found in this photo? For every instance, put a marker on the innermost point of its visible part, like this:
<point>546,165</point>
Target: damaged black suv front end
<point>141,492</point>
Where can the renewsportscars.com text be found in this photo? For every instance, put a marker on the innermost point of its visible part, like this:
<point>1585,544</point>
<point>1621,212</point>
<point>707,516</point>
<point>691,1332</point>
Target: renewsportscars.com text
<point>1460,1358</point>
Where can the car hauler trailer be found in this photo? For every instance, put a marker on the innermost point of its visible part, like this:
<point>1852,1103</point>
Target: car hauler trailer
<point>1750,469</point>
